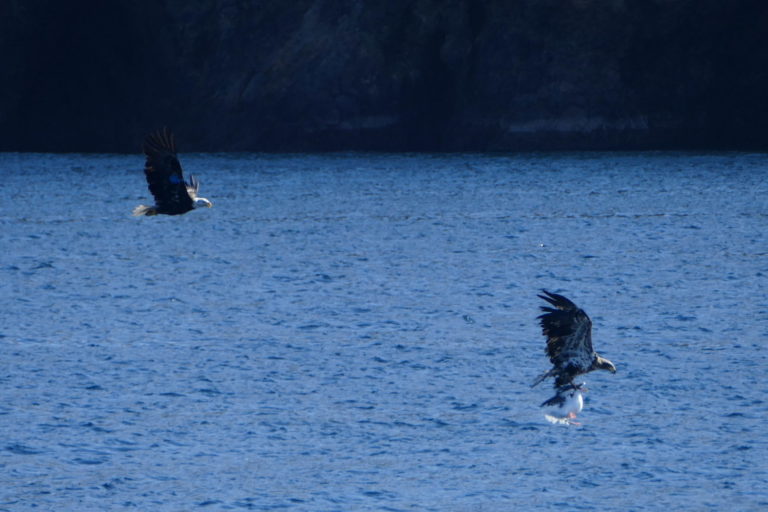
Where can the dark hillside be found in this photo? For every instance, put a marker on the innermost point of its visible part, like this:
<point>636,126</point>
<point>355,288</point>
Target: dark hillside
<point>395,75</point>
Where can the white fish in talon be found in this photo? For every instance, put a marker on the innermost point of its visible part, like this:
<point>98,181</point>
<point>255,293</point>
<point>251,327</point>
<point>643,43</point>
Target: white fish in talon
<point>567,403</point>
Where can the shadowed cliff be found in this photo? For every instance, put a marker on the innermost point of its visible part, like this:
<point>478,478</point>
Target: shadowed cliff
<point>397,75</point>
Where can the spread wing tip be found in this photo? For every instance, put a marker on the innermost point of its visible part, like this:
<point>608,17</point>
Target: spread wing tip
<point>557,300</point>
<point>160,140</point>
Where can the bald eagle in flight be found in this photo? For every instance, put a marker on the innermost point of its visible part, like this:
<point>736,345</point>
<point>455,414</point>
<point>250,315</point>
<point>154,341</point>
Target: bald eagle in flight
<point>173,196</point>
<point>569,342</point>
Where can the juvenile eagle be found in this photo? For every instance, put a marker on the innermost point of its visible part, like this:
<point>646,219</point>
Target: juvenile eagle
<point>173,196</point>
<point>569,342</point>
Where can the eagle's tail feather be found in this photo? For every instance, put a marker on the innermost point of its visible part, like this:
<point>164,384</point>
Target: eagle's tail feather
<point>550,373</point>
<point>144,210</point>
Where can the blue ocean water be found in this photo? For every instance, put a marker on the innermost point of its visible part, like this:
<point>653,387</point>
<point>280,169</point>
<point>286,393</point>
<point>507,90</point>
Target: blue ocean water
<point>358,332</point>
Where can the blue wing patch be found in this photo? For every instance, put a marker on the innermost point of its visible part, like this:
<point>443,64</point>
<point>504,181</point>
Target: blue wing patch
<point>175,179</point>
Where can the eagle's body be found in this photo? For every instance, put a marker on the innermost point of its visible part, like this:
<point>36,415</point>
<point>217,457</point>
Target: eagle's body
<point>569,341</point>
<point>173,196</point>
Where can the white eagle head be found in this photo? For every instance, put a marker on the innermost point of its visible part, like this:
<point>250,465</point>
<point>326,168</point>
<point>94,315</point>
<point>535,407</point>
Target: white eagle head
<point>202,202</point>
<point>602,363</point>
<point>197,202</point>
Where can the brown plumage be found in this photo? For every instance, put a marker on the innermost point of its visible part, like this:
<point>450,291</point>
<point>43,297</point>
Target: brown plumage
<point>568,330</point>
<point>173,196</point>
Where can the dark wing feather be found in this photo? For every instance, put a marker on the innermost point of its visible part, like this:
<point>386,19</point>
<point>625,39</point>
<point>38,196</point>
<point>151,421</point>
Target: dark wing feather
<point>569,334</point>
<point>164,175</point>
<point>558,399</point>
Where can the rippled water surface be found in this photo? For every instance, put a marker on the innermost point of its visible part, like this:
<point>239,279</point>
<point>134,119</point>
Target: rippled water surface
<point>357,332</point>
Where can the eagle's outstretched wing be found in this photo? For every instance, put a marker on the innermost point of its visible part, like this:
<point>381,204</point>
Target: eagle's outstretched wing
<point>164,175</point>
<point>568,330</point>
